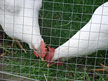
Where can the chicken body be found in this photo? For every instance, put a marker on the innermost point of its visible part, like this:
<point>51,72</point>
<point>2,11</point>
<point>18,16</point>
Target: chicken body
<point>19,20</point>
<point>92,37</point>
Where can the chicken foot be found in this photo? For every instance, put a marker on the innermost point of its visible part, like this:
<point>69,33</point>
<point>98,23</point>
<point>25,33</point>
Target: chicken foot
<point>105,68</point>
<point>2,54</point>
<point>20,45</point>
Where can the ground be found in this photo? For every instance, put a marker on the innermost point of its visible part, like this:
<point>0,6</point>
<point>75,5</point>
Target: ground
<point>59,20</point>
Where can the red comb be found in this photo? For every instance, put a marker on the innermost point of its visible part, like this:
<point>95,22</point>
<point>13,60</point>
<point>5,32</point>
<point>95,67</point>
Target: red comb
<point>43,49</point>
<point>36,54</point>
<point>50,55</point>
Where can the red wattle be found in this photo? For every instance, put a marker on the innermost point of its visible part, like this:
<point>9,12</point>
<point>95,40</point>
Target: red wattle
<point>36,54</point>
<point>43,49</point>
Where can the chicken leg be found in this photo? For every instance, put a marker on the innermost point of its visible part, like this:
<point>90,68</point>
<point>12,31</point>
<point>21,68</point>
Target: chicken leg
<point>105,68</point>
<point>12,45</point>
<point>20,45</point>
<point>2,54</point>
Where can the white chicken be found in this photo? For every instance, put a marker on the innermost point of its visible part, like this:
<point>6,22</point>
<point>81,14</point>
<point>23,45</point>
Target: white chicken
<point>92,37</point>
<point>19,20</point>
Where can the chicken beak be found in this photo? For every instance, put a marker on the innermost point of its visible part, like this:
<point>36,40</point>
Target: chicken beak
<point>48,65</point>
<point>37,55</point>
<point>42,59</point>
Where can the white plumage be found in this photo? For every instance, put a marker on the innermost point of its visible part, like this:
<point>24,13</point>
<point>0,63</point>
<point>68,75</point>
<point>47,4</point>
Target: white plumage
<point>19,20</point>
<point>92,37</point>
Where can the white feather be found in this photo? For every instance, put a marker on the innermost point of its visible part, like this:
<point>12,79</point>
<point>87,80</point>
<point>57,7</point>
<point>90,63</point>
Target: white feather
<point>92,37</point>
<point>19,20</point>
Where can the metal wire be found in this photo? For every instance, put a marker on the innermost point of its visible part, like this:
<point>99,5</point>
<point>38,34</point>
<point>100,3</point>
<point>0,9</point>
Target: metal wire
<point>59,20</point>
